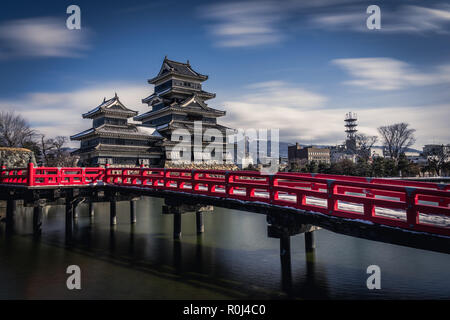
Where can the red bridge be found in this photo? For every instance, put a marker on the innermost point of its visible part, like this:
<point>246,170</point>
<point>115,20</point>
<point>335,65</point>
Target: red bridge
<point>406,206</point>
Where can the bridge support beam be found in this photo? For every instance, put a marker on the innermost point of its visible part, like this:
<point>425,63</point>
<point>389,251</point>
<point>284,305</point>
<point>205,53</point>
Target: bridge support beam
<point>91,209</point>
<point>310,244</point>
<point>75,211</point>
<point>69,217</point>
<point>285,259</point>
<point>113,212</point>
<point>199,222</point>
<point>132,211</point>
<point>177,226</point>
<point>283,227</point>
<point>75,204</point>
<point>37,217</point>
<point>177,209</point>
<point>11,208</point>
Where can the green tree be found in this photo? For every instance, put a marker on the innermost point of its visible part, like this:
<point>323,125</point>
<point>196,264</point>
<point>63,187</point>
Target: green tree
<point>323,167</point>
<point>402,165</point>
<point>377,167</point>
<point>312,167</point>
<point>390,168</point>
<point>362,168</point>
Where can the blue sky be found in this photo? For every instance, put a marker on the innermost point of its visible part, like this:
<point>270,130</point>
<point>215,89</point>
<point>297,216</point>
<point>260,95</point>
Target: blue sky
<point>294,65</point>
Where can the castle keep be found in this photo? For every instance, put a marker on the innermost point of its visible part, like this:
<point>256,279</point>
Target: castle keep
<point>178,104</point>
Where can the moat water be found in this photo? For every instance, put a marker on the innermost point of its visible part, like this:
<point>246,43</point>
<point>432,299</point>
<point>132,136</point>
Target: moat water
<point>233,259</point>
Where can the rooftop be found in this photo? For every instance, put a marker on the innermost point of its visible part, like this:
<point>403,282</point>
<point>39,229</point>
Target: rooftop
<point>171,67</point>
<point>112,105</point>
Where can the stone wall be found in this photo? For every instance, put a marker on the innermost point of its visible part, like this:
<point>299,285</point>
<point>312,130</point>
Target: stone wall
<point>16,157</point>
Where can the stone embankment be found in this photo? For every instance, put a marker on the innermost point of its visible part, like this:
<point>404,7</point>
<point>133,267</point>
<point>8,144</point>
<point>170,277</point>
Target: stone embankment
<point>16,157</point>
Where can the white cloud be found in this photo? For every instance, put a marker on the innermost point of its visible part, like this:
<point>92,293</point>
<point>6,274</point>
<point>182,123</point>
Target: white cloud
<point>253,23</point>
<point>389,74</point>
<point>41,37</point>
<point>245,24</point>
<point>308,117</point>
<point>55,113</point>
<point>404,19</point>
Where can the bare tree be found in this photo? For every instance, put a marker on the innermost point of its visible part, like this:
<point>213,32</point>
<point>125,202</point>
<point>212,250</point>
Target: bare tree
<point>55,153</point>
<point>397,138</point>
<point>438,157</point>
<point>14,130</point>
<point>363,144</point>
<point>62,155</point>
<point>46,146</point>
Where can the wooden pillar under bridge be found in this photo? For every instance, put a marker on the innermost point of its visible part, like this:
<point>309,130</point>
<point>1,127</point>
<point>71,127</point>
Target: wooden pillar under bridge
<point>113,212</point>
<point>310,244</point>
<point>177,209</point>
<point>11,208</point>
<point>284,234</point>
<point>69,217</point>
<point>91,209</point>
<point>75,204</point>
<point>199,222</point>
<point>177,226</point>
<point>75,211</point>
<point>132,211</point>
<point>285,259</point>
<point>37,217</point>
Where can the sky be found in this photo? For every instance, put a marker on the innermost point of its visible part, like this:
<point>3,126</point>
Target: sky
<point>295,65</point>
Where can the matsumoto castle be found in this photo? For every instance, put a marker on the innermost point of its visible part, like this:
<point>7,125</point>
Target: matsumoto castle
<point>177,101</point>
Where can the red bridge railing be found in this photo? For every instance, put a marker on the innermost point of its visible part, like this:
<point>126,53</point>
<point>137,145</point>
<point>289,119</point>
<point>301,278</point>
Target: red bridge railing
<point>418,206</point>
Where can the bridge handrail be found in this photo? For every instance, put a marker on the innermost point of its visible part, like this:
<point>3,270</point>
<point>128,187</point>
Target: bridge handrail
<point>335,195</point>
<point>406,183</point>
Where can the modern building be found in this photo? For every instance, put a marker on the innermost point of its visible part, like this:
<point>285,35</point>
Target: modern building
<point>178,105</point>
<point>339,153</point>
<point>113,140</point>
<point>298,155</point>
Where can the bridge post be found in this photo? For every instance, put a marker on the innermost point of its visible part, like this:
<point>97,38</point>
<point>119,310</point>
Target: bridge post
<point>132,211</point>
<point>177,225</point>
<point>199,222</point>
<point>309,241</point>
<point>113,212</point>
<point>37,217</point>
<point>177,209</point>
<point>11,207</point>
<point>75,212</point>
<point>285,259</point>
<point>69,217</point>
<point>91,209</point>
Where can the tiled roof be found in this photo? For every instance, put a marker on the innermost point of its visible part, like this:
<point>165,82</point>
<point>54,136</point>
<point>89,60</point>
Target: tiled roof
<point>131,129</point>
<point>113,105</point>
<point>176,67</point>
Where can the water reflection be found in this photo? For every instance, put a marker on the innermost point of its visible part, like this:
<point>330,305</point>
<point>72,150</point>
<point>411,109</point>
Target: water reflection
<point>233,258</point>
